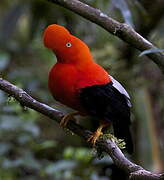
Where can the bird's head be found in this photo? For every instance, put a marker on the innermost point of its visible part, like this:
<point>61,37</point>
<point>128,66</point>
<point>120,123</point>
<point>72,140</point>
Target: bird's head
<point>67,47</point>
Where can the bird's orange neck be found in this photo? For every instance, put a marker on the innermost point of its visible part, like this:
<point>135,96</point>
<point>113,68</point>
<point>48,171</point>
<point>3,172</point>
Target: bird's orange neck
<point>74,59</point>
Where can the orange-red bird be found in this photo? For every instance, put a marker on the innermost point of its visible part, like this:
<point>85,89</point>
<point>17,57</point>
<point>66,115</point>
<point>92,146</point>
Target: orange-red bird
<point>78,82</point>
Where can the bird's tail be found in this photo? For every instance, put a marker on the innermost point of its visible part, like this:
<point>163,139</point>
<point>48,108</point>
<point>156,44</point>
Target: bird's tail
<point>122,131</point>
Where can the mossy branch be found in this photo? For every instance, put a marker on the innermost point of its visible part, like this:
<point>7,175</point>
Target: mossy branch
<point>135,171</point>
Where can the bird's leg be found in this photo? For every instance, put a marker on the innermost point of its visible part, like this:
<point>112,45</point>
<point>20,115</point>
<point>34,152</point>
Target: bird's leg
<point>68,117</point>
<point>93,138</point>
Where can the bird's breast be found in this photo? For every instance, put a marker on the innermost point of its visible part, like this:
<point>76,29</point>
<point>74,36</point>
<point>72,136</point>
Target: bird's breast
<point>62,80</point>
<point>66,80</point>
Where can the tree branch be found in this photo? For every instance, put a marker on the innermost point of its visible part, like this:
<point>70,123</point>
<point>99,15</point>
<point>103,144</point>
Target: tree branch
<point>121,30</point>
<point>135,172</point>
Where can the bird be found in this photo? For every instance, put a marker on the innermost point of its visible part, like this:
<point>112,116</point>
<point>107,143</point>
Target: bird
<point>78,82</point>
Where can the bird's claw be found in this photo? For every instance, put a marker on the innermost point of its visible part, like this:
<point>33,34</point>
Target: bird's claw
<point>66,118</point>
<point>93,138</point>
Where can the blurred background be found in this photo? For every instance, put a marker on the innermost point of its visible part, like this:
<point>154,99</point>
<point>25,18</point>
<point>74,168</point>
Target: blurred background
<point>34,147</point>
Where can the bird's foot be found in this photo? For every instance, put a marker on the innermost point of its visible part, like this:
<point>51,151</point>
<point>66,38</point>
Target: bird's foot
<point>93,138</point>
<point>68,117</point>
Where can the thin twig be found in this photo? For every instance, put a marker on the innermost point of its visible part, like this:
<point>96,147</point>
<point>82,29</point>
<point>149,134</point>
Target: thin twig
<point>135,171</point>
<point>121,30</point>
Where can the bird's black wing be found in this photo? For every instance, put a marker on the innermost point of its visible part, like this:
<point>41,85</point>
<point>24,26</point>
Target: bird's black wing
<point>108,104</point>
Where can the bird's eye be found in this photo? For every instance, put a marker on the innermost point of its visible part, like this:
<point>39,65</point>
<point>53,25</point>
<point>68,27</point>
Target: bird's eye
<point>68,44</point>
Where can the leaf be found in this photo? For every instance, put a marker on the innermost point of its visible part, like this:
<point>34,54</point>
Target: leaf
<point>45,145</point>
<point>125,11</point>
<point>69,153</point>
<point>83,155</point>
<point>148,51</point>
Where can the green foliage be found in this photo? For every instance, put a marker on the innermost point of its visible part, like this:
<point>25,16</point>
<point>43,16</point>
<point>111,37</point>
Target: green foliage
<point>17,132</point>
<point>21,142</point>
<point>78,154</point>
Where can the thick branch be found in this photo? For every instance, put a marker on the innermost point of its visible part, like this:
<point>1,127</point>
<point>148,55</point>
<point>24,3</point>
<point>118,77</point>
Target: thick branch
<point>123,31</point>
<point>134,171</point>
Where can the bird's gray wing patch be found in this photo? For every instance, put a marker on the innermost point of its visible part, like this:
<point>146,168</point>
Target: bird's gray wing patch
<point>121,89</point>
